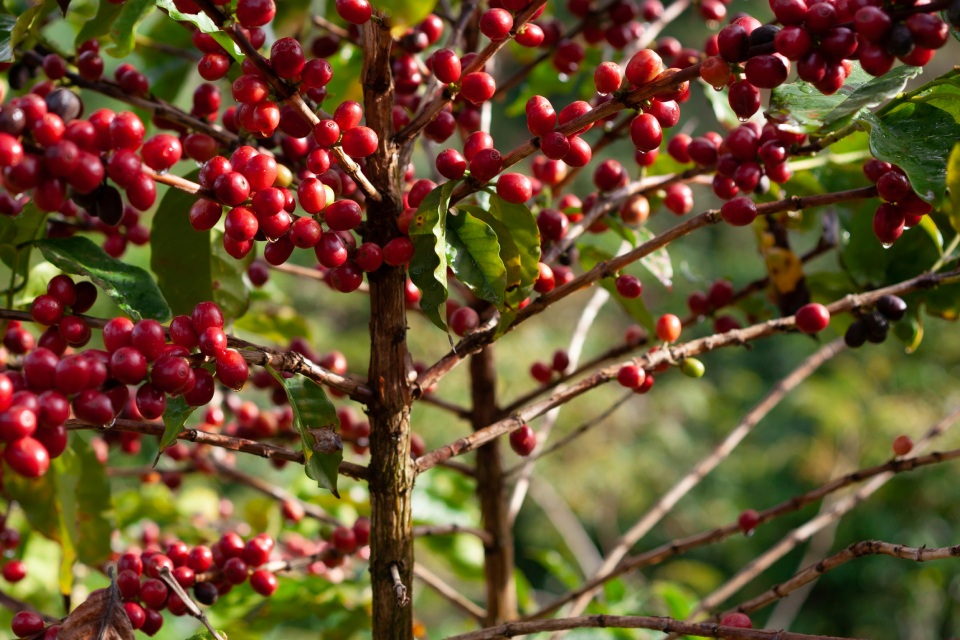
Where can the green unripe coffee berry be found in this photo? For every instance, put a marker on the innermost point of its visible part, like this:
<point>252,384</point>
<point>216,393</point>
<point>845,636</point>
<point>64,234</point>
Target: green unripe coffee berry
<point>693,368</point>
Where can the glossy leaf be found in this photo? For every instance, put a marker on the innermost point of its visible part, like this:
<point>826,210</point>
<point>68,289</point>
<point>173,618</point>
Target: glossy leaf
<point>428,267</point>
<point>953,187</point>
<point>131,287</point>
<point>180,256</point>
<point>657,263</point>
<point>25,26</point>
<point>123,30</point>
<point>801,107</point>
<point>16,236</point>
<point>175,415</point>
<point>202,22</point>
<point>919,136</point>
<point>7,22</point>
<point>226,273</point>
<point>315,418</point>
<point>100,25</point>
<point>869,94</point>
<point>473,254</point>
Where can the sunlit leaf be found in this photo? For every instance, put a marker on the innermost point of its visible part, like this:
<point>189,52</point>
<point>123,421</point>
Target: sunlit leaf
<point>315,419</point>
<point>131,287</point>
<point>428,267</point>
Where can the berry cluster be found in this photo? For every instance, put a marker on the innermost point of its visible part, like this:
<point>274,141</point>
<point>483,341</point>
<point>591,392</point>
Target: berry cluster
<point>902,207</point>
<point>873,325</point>
<point>37,399</point>
<point>747,159</point>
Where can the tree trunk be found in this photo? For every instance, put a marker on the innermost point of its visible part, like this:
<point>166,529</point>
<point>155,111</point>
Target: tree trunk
<point>492,493</point>
<point>391,469</point>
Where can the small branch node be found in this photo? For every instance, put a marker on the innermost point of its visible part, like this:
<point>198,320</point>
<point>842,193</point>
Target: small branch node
<point>399,589</point>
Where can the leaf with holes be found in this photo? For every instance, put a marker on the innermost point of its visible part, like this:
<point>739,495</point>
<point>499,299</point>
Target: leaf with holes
<point>315,419</point>
<point>131,287</point>
<point>428,267</point>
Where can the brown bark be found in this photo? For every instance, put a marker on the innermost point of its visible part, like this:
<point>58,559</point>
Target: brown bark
<point>498,550</point>
<point>391,479</point>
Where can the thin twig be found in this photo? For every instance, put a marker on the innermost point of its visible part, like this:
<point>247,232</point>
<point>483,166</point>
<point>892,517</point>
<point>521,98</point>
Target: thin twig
<point>682,545</point>
<point>710,462</point>
<point>243,445</point>
<point>275,492</point>
<point>166,575</point>
<point>574,349</point>
<point>657,623</point>
<point>13,604</point>
<point>671,355</point>
<point>581,429</point>
<point>449,593</point>
<point>450,529</point>
<point>802,533</point>
<point>474,342</point>
<point>399,589</point>
<point>855,550</point>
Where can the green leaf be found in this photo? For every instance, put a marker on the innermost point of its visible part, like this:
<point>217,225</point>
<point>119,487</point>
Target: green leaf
<point>202,22</point>
<point>95,510</point>
<point>590,256</point>
<point>867,95</point>
<point>229,289</point>
<point>7,23</point>
<point>16,239</point>
<point>123,30</point>
<point>657,263</point>
<point>70,504</point>
<point>25,23</point>
<point>278,325</point>
<point>428,267</point>
<point>315,418</point>
<point>801,107</point>
<point>919,135</point>
<point>101,23</point>
<point>175,415</point>
<point>131,287</point>
<point>615,223</point>
<point>474,256</point>
<point>404,13</point>
<point>720,106</point>
<point>180,256</point>
<point>953,186</point>
<point>519,240</point>
<point>192,266</point>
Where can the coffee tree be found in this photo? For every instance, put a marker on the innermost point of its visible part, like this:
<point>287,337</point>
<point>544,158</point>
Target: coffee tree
<point>463,171</point>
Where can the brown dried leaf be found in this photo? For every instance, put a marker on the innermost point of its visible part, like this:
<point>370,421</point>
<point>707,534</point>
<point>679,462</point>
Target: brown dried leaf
<point>101,617</point>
